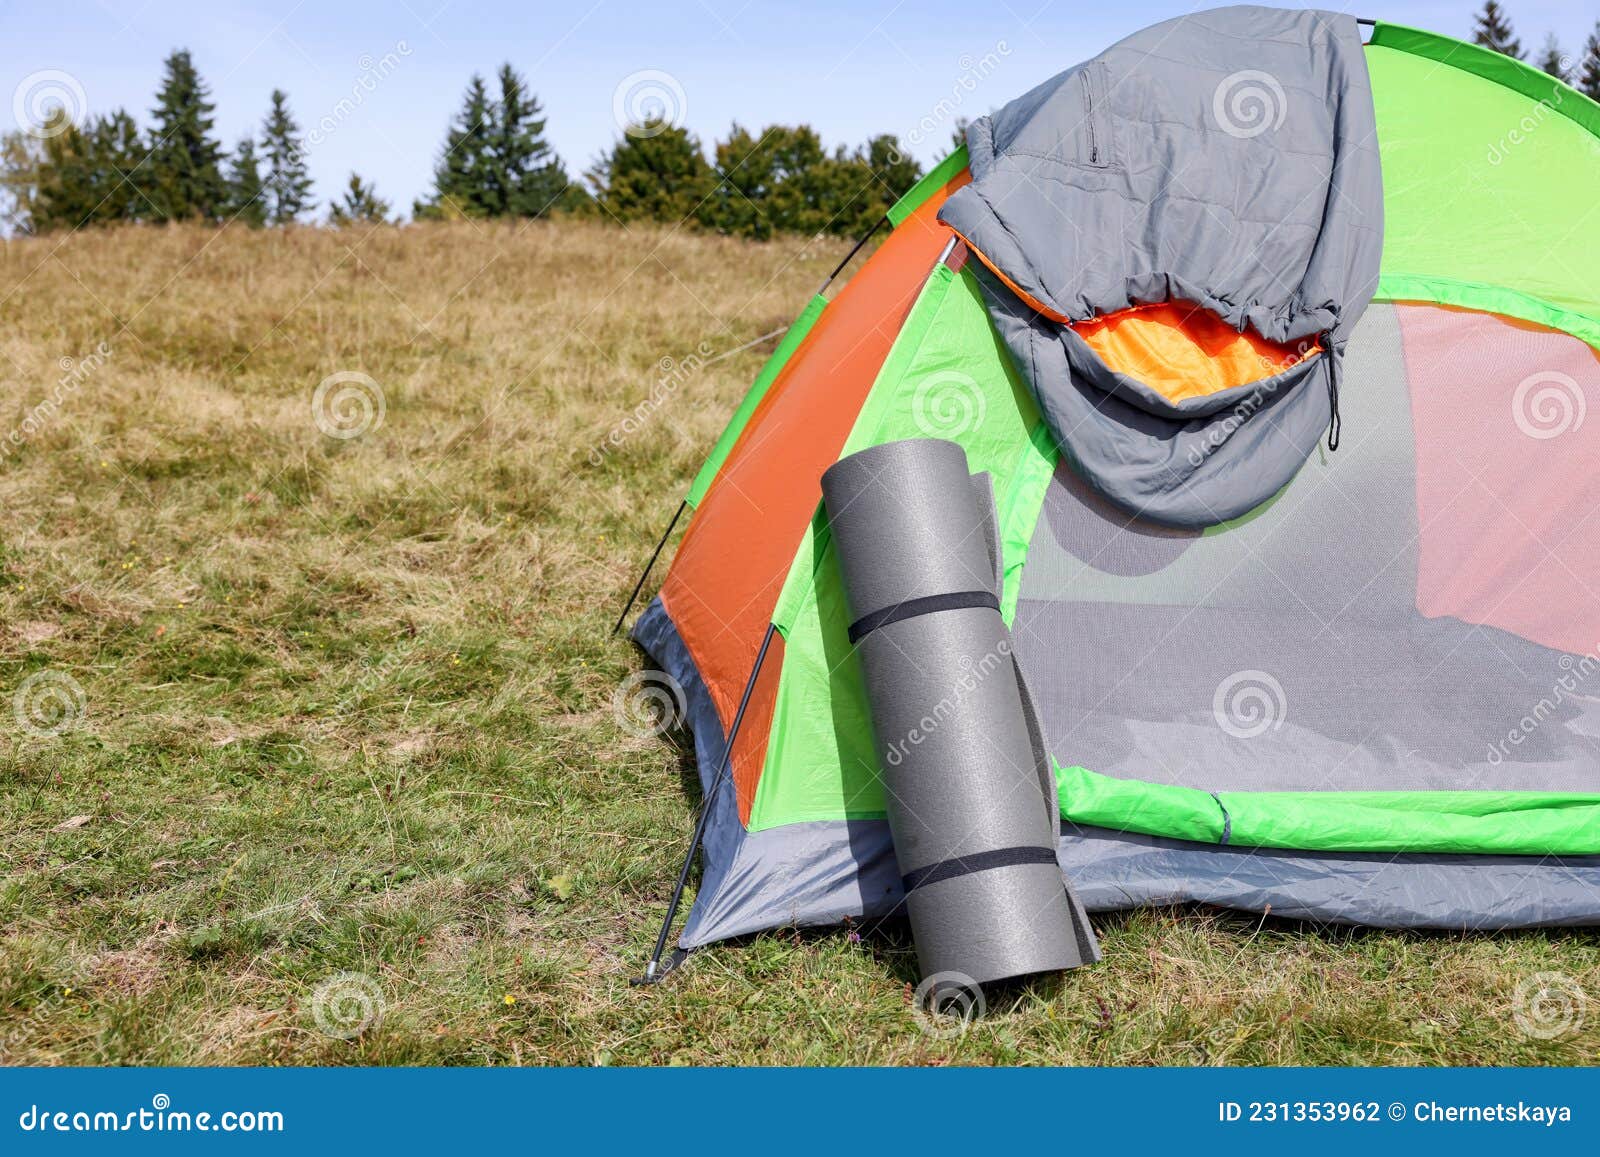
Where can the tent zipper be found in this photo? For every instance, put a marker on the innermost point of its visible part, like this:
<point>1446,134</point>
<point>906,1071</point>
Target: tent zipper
<point>1088,109</point>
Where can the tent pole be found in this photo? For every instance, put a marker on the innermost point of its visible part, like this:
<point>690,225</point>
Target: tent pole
<point>850,256</point>
<point>651,969</point>
<point>639,586</point>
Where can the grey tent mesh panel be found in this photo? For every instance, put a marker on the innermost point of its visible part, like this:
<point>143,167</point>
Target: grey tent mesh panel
<point>1286,651</point>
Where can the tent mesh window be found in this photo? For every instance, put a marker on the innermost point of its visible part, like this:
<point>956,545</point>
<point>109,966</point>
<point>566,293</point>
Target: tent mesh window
<point>1363,631</point>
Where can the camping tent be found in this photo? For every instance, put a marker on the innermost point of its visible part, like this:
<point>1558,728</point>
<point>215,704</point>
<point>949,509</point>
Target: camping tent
<point>1368,694</point>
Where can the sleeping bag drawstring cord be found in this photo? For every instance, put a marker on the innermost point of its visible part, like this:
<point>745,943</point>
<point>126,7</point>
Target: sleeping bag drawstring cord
<point>1336,361</point>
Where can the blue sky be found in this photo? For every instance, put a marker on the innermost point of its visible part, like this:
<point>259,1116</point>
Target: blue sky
<point>848,69</point>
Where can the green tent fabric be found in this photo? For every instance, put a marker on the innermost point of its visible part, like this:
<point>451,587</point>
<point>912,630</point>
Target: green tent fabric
<point>1509,222</point>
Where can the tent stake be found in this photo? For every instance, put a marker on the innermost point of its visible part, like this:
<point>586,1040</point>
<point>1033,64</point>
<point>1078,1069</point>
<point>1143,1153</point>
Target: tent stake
<point>651,969</point>
<point>639,586</point>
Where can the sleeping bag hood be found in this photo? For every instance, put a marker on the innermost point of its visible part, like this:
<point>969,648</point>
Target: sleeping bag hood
<point>1174,241</point>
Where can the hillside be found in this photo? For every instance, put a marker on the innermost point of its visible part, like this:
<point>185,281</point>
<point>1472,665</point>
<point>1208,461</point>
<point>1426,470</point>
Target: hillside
<point>310,543</point>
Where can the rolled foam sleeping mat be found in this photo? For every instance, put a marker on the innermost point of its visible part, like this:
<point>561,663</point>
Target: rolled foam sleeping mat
<point>967,783</point>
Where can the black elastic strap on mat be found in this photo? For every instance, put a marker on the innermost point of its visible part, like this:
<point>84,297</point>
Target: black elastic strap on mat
<point>979,862</point>
<point>912,608</point>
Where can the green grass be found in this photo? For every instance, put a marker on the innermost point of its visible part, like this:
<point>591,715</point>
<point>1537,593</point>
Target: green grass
<point>347,704</point>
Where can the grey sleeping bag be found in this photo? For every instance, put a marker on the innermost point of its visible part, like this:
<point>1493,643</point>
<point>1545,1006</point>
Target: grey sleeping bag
<point>1226,159</point>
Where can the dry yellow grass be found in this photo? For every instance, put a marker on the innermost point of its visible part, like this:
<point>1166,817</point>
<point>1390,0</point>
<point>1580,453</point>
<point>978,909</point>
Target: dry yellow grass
<point>345,702</point>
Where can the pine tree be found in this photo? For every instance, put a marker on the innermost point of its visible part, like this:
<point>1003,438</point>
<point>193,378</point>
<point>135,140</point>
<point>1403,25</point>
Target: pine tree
<point>1492,29</point>
<point>657,173</point>
<point>786,181</point>
<point>117,155</point>
<point>185,174</point>
<point>75,176</point>
<point>1588,79</point>
<point>808,191</point>
<point>1552,61</point>
<point>65,196</point>
<point>247,192</point>
<point>749,170</point>
<point>361,204</point>
<point>856,187</point>
<point>528,179</point>
<point>461,178</point>
<point>780,182</point>
<point>288,184</point>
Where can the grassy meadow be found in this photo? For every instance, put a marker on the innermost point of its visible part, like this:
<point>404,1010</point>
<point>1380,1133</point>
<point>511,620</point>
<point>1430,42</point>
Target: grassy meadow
<point>298,728</point>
